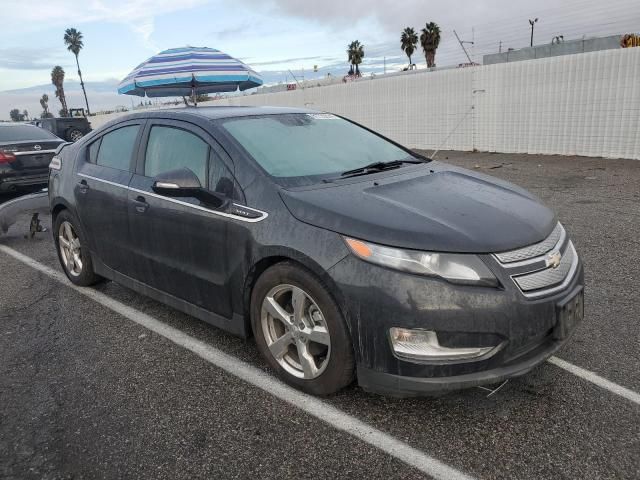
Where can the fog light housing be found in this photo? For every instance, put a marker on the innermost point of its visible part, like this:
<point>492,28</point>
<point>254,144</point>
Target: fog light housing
<point>423,345</point>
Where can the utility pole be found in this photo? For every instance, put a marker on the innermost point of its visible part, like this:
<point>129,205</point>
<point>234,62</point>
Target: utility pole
<point>532,23</point>
<point>500,47</point>
<point>462,45</point>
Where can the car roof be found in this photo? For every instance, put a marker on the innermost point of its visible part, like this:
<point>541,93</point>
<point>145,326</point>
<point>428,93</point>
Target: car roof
<point>213,113</point>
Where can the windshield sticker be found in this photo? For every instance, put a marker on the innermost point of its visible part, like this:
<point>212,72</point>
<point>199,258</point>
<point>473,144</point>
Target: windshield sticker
<point>323,116</point>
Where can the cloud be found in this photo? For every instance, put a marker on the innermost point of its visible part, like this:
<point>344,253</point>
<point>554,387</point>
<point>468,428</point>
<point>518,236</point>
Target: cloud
<point>388,13</point>
<point>138,15</point>
<point>488,22</point>
<point>20,58</point>
<point>285,61</point>
<point>61,12</point>
<point>145,28</point>
<point>231,32</point>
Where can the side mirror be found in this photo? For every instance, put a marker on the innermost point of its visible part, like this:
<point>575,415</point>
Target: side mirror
<point>177,183</point>
<point>184,183</point>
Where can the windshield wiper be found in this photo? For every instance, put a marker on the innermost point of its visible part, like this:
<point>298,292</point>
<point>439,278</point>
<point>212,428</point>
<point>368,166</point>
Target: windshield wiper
<point>377,167</point>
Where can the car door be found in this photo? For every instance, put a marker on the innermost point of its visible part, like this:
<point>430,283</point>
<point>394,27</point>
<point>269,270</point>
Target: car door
<point>180,243</point>
<point>103,174</point>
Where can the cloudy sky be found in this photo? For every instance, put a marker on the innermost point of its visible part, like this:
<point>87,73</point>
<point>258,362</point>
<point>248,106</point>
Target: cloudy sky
<point>273,36</point>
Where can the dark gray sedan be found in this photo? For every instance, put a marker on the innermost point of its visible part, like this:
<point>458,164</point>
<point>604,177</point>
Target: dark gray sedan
<point>345,255</point>
<point>25,153</point>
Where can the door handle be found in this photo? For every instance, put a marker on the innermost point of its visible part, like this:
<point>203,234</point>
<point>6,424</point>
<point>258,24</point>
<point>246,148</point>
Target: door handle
<point>141,204</point>
<point>83,186</point>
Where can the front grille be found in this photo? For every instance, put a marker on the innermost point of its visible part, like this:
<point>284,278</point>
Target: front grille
<point>549,277</point>
<point>531,267</point>
<point>534,250</point>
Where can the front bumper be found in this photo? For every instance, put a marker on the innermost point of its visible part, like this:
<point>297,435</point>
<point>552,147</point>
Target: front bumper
<point>376,299</point>
<point>403,386</point>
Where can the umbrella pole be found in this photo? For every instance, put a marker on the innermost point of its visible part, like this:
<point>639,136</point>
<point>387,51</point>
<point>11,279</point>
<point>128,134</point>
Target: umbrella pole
<point>193,96</point>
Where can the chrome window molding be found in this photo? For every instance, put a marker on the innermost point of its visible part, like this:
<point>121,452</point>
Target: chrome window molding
<point>262,216</point>
<point>103,181</point>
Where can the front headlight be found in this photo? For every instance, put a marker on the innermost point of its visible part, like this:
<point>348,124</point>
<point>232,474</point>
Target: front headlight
<point>454,267</point>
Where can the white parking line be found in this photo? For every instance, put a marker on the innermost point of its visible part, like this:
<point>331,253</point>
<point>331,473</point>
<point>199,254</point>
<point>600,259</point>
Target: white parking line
<point>254,376</point>
<point>596,379</point>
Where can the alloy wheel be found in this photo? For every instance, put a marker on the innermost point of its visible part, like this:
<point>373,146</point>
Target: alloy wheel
<point>295,331</point>
<point>70,249</point>
<point>75,135</point>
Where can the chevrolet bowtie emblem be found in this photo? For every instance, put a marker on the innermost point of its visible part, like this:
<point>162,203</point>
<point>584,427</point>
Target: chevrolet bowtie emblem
<point>553,259</point>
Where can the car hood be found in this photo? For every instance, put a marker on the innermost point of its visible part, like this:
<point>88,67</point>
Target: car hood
<point>434,207</point>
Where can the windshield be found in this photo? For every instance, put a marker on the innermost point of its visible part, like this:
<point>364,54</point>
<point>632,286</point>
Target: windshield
<point>19,133</point>
<point>303,148</point>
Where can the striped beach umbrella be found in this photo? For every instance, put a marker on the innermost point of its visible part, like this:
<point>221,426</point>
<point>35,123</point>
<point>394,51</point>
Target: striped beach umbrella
<point>189,71</point>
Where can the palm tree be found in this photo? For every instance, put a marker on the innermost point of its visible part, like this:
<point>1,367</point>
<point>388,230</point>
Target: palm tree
<point>44,102</point>
<point>73,41</point>
<point>350,57</point>
<point>408,42</point>
<point>57,78</point>
<point>430,40</point>
<point>355,51</point>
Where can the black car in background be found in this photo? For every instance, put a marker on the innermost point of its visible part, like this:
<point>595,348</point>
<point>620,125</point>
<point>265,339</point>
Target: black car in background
<point>25,153</point>
<point>71,128</point>
<point>344,254</point>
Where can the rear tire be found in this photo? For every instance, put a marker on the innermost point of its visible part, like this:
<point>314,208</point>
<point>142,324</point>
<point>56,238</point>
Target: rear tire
<point>300,330</point>
<point>73,253</point>
<point>73,135</point>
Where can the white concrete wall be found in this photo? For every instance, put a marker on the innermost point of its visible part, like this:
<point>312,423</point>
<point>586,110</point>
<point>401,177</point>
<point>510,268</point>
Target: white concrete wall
<point>586,104</point>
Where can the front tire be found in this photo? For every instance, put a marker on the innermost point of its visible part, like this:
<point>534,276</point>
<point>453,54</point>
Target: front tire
<point>72,251</point>
<point>300,331</point>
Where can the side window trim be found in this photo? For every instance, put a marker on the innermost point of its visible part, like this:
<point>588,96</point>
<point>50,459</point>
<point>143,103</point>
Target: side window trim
<point>192,127</point>
<point>144,144</point>
<point>136,148</point>
<point>215,156</point>
<point>98,142</point>
<point>215,148</point>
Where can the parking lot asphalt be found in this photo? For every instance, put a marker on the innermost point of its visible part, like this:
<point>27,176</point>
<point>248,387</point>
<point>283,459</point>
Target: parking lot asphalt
<point>87,393</point>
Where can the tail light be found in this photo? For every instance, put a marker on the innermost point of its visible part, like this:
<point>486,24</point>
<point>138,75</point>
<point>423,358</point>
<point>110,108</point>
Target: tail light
<point>56,163</point>
<point>6,157</point>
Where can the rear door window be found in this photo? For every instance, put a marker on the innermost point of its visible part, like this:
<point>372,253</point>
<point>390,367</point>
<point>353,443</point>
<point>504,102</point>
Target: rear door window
<point>172,148</point>
<point>116,148</point>
<point>93,151</point>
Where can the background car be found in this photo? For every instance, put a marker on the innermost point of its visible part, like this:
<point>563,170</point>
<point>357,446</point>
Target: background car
<point>71,128</point>
<point>25,153</point>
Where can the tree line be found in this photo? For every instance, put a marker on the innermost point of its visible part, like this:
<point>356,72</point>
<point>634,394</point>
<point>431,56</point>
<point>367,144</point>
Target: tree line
<point>429,41</point>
